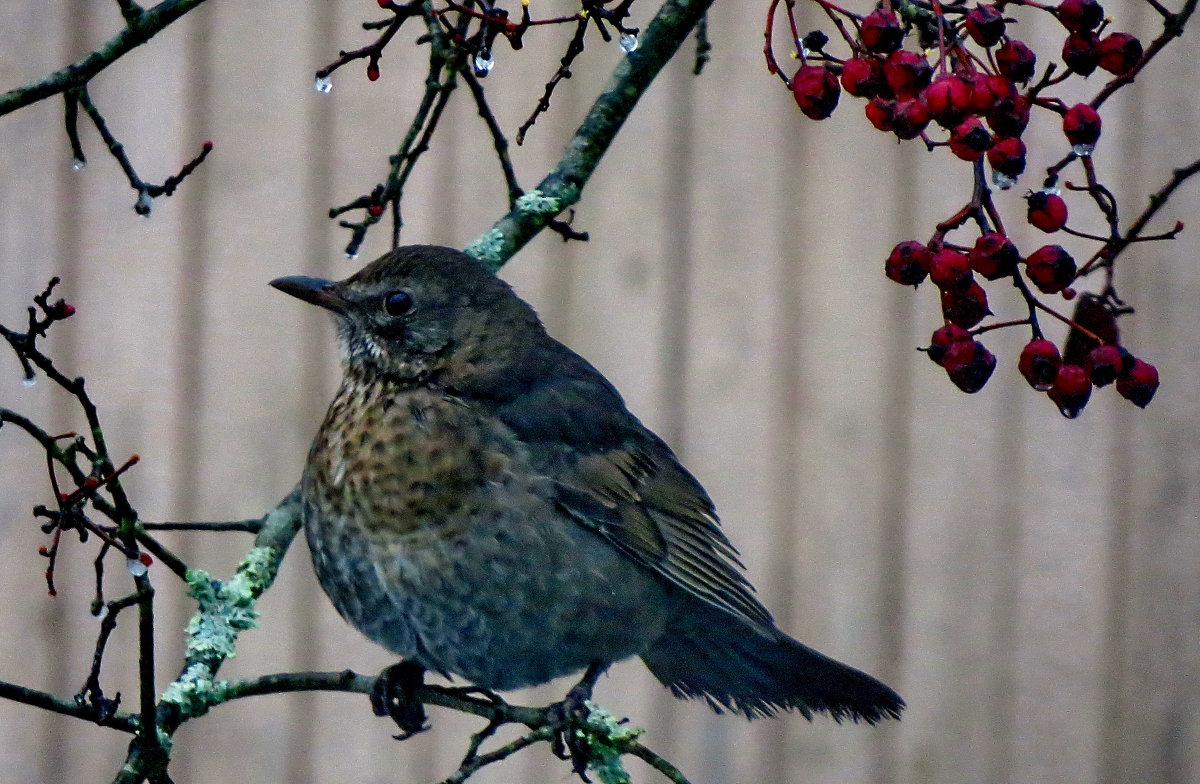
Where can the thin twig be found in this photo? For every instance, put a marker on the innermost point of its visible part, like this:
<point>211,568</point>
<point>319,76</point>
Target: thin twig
<point>137,32</point>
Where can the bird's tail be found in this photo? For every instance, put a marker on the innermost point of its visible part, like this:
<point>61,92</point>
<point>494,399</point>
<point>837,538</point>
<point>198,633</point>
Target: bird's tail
<point>755,671</point>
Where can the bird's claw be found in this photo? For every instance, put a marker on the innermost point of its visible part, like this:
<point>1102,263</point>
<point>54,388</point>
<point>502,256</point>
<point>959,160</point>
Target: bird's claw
<point>395,695</point>
<point>567,716</point>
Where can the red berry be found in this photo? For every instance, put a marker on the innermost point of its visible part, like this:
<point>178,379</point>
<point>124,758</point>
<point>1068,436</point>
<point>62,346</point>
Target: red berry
<point>949,269</point>
<point>1119,52</point>
<point>944,338</point>
<point>1050,268</point>
<point>384,3</point>
<point>906,73</point>
<point>375,210</point>
<point>1105,363</point>
<point>985,25</point>
<point>372,70</point>
<point>1009,116</point>
<point>965,307</point>
<point>1007,156</point>
<point>909,118</point>
<point>1081,124</point>
<point>958,354</point>
<point>908,263</point>
<point>1016,61</point>
<point>1081,52</point>
<point>1070,390</point>
<point>1080,15</point>
<point>881,113</point>
<point>862,76</point>
<point>881,31</point>
<point>1139,384</point>
<point>970,376</point>
<point>949,99</point>
<point>44,551</point>
<point>1039,363</point>
<point>207,146</point>
<point>1047,211</point>
<point>145,559</point>
<point>970,140</point>
<point>816,91</point>
<point>987,90</point>
<point>993,256</point>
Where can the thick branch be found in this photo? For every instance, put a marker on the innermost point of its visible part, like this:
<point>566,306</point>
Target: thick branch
<point>563,186</point>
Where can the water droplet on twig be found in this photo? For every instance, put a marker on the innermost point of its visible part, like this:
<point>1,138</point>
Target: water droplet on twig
<point>1083,150</point>
<point>1003,181</point>
<point>136,567</point>
<point>323,85</point>
<point>78,164</point>
<point>628,42</point>
<point>484,62</point>
<point>29,381</point>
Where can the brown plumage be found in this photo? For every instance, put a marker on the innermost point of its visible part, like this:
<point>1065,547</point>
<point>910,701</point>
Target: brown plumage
<point>480,501</point>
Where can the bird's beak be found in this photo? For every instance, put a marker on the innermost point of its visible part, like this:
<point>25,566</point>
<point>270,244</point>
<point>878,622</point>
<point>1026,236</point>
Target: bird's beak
<point>318,291</point>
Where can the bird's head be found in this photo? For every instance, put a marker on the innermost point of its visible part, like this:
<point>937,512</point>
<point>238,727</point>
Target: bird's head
<point>420,313</point>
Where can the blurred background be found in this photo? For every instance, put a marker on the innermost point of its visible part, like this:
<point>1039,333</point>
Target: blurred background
<point>1031,585</point>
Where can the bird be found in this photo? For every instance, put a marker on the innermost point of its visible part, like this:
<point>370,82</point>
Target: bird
<point>480,501</point>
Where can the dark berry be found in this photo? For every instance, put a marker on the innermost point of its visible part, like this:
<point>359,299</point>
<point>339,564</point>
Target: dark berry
<point>1016,61</point>
<point>985,25</point>
<point>944,338</point>
<point>1080,15</point>
<point>1081,52</point>
<point>993,256</point>
<point>1119,52</point>
<point>910,118</point>
<point>1070,390</point>
<point>1139,384</point>
<point>881,32</point>
<point>862,76</point>
<point>970,140</point>
<point>1081,124</point>
<point>372,71</point>
<point>1007,156</point>
<point>965,307</point>
<point>971,375</point>
<point>949,99</point>
<point>816,91</point>
<point>1039,363</point>
<point>1104,364</point>
<point>1047,211</point>
<point>908,263</point>
<point>881,112</point>
<point>1050,268</point>
<point>1009,117</point>
<point>906,73</point>
<point>949,269</point>
<point>988,90</point>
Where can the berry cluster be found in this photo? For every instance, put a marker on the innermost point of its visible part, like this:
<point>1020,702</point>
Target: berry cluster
<point>922,67</point>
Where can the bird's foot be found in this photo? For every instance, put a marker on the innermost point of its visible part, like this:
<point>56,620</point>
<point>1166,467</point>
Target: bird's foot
<point>567,716</point>
<point>395,695</point>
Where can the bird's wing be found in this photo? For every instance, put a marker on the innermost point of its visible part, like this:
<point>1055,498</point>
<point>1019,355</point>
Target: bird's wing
<point>651,509</point>
<point>615,477</point>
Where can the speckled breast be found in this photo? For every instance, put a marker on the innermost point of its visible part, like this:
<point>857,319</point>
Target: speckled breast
<point>433,535</point>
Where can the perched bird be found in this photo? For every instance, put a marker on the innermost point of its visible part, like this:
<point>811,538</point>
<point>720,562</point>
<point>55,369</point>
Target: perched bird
<point>480,501</point>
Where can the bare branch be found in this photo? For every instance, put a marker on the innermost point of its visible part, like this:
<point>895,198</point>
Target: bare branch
<point>140,29</point>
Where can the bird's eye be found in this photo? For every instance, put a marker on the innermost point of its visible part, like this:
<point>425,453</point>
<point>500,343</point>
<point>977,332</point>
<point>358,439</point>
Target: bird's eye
<point>397,303</point>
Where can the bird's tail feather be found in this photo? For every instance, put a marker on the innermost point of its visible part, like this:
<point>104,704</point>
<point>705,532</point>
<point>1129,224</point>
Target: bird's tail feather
<point>758,672</point>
